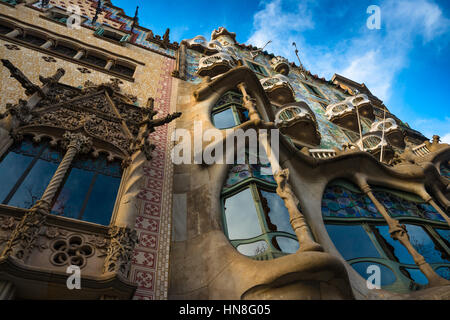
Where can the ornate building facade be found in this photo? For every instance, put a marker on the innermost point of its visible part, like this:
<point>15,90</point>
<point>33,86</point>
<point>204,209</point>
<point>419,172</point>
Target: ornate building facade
<point>87,117</point>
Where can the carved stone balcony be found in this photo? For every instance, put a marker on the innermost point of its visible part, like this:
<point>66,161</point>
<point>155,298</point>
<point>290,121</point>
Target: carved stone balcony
<point>364,106</point>
<point>215,65</point>
<point>199,43</point>
<point>392,132</point>
<point>343,114</point>
<point>298,122</point>
<point>36,254</point>
<point>280,65</point>
<point>373,142</point>
<point>278,89</point>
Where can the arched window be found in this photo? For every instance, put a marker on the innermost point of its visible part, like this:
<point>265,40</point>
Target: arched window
<point>229,112</point>
<point>88,192</point>
<point>255,218</point>
<point>362,236</point>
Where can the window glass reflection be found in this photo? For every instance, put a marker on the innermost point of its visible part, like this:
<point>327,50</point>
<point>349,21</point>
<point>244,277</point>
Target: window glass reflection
<point>352,241</point>
<point>387,276</point>
<point>286,245</point>
<point>444,272</point>
<point>398,250</point>
<point>416,275</point>
<point>241,216</point>
<point>277,215</point>
<point>34,185</point>
<point>224,119</point>
<point>422,242</point>
<point>253,249</point>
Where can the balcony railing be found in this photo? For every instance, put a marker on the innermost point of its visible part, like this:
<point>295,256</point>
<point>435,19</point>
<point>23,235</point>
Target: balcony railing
<point>278,89</point>
<point>298,122</point>
<point>280,65</point>
<point>421,150</point>
<point>215,65</point>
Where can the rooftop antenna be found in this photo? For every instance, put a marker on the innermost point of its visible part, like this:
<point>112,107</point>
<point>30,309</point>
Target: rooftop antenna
<point>135,19</point>
<point>98,10</point>
<point>257,52</point>
<point>299,61</point>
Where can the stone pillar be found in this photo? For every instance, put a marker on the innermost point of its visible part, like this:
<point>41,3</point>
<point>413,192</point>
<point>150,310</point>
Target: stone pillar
<point>7,290</point>
<point>398,232</point>
<point>432,203</point>
<point>79,54</point>
<point>249,104</point>
<point>109,64</point>
<point>75,143</point>
<point>15,33</point>
<point>47,45</point>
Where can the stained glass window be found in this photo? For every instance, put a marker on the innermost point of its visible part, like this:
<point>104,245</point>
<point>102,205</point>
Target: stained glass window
<point>229,112</point>
<point>362,236</point>
<point>88,192</point>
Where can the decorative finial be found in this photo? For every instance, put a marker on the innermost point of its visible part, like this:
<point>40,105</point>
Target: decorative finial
<point>135,19</point>
<point>97,11</point>
<point>45,3</point>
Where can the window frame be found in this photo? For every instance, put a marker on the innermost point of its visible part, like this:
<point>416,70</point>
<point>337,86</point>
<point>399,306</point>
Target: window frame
<point>236,110</point>
<point>309,87</point>
<point>387,257</point>
<point>252,64</point>
<point>255,185</point>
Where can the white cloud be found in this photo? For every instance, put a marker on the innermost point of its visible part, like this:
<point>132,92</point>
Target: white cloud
<point>446,138</point>
<point>374,57</point>
<point>272,23</point>
<point>430,127</point>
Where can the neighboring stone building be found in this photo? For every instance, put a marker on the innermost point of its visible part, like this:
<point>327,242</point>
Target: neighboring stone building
<point>86,123</point>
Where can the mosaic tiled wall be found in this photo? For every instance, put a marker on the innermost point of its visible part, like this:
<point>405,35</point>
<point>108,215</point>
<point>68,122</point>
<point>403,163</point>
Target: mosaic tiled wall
<point>332,135</point>
<point>150,263</point>
<point>109,17</point>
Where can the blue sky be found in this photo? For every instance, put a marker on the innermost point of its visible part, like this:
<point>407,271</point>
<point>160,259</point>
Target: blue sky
<point>405,63</point>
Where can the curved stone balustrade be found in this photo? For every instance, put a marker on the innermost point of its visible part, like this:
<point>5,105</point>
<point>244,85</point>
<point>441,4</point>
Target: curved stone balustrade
<point>362,102</point>
<point>343,114</point>
<point>298,122</point>
<point>278,89</point>
<point>200,44</point>
<point>216,64</point>
<point>392,131</point>
<point>373,142</point>
<point>280,65</point>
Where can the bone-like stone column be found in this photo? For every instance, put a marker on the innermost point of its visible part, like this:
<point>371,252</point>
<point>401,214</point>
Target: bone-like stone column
<point>432,203</point>
<point>284,189</point>
<point>297,219</point>
<point>398,232</point>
